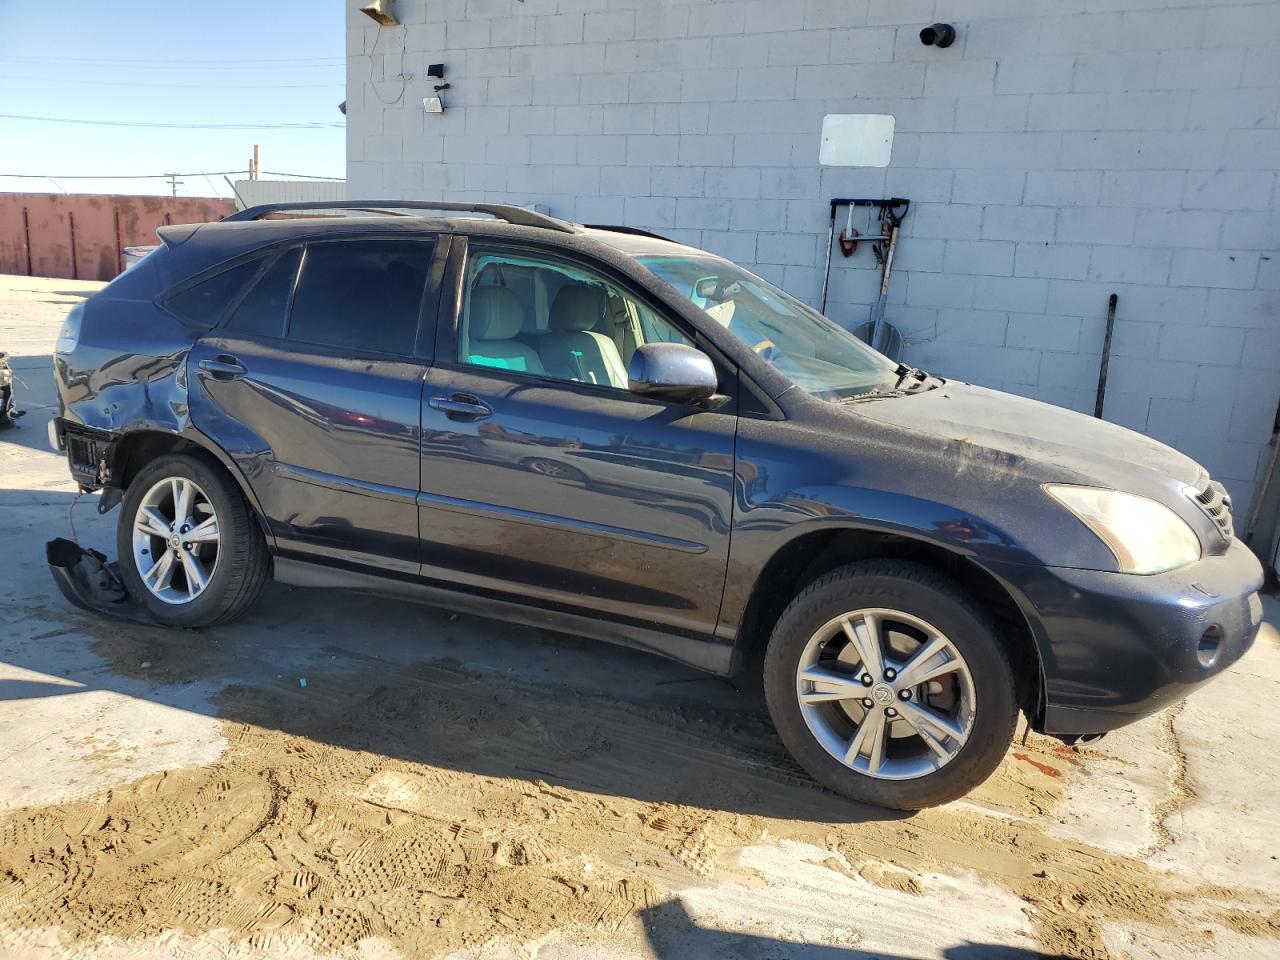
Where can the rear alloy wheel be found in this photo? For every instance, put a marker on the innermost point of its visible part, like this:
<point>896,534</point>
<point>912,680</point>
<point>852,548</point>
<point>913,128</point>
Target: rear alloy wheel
<point>889,686</point>
<point>190,551</point>
<point>175,540</point>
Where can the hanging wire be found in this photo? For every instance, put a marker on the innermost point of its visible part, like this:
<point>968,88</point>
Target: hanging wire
<point>404,81</point>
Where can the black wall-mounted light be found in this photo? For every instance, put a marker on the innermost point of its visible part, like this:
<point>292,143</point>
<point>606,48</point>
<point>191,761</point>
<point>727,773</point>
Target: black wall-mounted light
<point>938,35</point>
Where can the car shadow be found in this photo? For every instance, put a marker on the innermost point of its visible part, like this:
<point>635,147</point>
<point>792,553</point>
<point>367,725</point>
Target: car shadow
<point>415,683</point>
<point>674,935</point>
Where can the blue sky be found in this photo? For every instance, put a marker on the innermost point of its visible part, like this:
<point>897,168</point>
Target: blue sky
<point>233,61</point>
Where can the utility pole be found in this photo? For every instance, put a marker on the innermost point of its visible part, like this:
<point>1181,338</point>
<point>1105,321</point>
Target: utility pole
<point>174,182</point>
<point>255,165</point>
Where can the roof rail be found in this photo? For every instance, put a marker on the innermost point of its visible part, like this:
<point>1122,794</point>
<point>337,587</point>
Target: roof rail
<point>634,231</point>
<point>509,213</point>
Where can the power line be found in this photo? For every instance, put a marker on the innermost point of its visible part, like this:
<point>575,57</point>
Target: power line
<point>177,126</point>
<point>230,63</point>
<point>156,176</point>
<point>182,59</point>
<point>188,86</point>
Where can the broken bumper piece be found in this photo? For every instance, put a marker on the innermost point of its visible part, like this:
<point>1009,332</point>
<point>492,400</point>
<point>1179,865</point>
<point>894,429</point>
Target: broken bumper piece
<point>91,583</point>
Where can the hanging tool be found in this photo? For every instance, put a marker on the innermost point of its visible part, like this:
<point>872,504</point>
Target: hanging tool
<point>848,236</point>
<point>884,337</point>
<point>1106,356</point>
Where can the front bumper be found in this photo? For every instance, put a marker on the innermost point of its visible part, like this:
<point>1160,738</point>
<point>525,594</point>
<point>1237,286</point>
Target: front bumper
<point>1116,647</point>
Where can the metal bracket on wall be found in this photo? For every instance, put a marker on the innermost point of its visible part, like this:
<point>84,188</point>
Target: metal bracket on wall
<point>889,219</point>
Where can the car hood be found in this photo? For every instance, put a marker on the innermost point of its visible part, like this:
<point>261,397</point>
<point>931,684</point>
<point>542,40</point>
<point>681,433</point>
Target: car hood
<point>1067,446</point>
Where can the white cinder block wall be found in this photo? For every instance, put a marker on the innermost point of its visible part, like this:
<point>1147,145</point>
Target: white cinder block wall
<point>1060,151</point>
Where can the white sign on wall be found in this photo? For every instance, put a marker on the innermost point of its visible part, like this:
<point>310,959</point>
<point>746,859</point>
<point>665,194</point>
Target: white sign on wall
<point>856,140</point>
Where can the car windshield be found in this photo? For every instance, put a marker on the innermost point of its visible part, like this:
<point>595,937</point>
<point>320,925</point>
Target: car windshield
<point>812,352</point>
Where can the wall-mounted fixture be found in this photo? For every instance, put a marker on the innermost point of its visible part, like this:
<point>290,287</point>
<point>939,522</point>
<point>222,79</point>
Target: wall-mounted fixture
<point>938,35</point>
<point>381,11</point>
<point>436,104</point>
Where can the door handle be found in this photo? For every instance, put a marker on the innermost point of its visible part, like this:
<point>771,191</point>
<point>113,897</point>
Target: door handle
<point>461,406</point>
<point>223,368</point>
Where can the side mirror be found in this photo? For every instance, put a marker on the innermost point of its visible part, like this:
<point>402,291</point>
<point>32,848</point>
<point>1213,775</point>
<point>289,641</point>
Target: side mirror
<point>672,371</point>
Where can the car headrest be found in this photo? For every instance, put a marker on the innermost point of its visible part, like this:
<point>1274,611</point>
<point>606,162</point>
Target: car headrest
<point>495,313</point>
<point>576,307</point>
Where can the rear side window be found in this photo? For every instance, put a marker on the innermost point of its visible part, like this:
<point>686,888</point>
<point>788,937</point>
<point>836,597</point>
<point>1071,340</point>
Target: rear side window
<point>362,294</point>
<point>262,311</point>
<point>205,303</point>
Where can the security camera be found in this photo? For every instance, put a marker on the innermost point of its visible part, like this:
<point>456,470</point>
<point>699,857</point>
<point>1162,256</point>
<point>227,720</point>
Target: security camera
<point>938,35</point>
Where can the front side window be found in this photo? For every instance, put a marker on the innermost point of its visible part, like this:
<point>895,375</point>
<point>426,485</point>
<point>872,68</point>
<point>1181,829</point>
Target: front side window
<point>553,319</point>
<point>812,352</point>
<point>361,294</point>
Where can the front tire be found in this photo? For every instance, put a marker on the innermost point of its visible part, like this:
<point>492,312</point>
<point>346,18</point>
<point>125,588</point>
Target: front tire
<point>889,686</point>
<point>190,551</point>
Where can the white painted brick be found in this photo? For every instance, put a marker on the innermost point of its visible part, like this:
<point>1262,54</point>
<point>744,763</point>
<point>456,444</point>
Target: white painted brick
<point>464,34</point>
<point>984,186</point>
<point>971,326</point>
<point>683,118</point>
<point>1226,190</point>
<point>863,45</point>
<point>1150,377</point>
<point>1066,111</point>
<point>978,257</point>
<point>1063,188</point>
<point>1181,228</point>
<point>939,290</point>
<point>920,254</point>
<point>1006,113</point>
<point>1053,260</point>
<point>1038,331</point>
<point>760,215</point>
<point>1103,73</point>
<point>1201,344</point>
<point>788,184</point>
<point>1035,74</point>
<point>1262,349</point>
<point>678,182</point>
<point>1018,294</point>
<point>785,248</point>
<point>945,220</point>
<point>651,212</point>
<point>1134,338</point>
<point>1096,225</point>
<point>1215,268</point>
<point>1018,223</point>
<point>1256,309</point>
<point>736,245</point>
<point>1130,264</point>
<point>738,183</point>
<point>632,180</point>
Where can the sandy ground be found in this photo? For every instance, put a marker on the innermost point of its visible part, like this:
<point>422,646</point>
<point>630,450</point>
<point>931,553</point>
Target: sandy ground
<point>450,786</point>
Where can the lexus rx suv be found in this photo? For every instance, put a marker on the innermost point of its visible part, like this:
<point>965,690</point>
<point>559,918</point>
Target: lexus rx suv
<point>600,431</point>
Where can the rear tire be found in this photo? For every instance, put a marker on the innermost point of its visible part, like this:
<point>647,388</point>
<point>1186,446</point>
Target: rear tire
<point>969,685</point>
<point>236,564</point>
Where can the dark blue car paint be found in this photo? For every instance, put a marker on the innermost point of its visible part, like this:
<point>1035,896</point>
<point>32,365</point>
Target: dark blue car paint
<point>640,521</point>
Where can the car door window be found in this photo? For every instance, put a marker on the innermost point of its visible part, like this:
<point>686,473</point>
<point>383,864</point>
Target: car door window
<point>554,319</point>
<point>261,312</point>
<point>361,294</point>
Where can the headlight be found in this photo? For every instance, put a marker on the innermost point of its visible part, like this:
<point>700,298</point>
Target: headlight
<point>1145,536</point>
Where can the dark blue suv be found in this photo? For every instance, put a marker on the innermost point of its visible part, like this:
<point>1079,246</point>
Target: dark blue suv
<point>600,431</point>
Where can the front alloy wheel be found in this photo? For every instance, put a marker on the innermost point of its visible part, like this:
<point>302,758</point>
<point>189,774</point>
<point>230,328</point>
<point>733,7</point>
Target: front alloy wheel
<point>889,685</point>
<point>885,693</point>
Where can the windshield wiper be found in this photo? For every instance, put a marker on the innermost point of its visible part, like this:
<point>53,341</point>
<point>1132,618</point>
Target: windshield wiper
<point>912,379</point>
